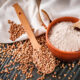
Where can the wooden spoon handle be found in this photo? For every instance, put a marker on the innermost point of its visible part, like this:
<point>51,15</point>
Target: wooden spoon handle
<point>26,25</point>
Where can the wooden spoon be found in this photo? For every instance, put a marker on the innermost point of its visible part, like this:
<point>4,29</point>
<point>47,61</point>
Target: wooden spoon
<point>46,64</point>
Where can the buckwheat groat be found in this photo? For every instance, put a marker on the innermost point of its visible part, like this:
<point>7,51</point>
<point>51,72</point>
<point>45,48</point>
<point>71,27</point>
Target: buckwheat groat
<point>44,60</point>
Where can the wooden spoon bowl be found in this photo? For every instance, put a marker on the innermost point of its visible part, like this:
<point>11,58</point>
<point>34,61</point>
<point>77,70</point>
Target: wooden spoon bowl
<point>63,55</point>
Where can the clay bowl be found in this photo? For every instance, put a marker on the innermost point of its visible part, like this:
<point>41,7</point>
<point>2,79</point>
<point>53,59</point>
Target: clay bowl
<point>63,55</point>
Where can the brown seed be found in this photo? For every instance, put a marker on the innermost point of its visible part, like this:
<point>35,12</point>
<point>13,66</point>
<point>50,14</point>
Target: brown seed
<point>63,66</point>
<point>69,78</point>
<point>54,72</point>
<point>59,77</point>
<point>79,62</point>
<point>70,75</point>
<point>69,64</point>
<point>72,65</point>
<point>42,77</point>
<point>69,68</point>
<point>53,75</point>
<point>6,70</point>
<point>74,72</point>
<point>65,75</point>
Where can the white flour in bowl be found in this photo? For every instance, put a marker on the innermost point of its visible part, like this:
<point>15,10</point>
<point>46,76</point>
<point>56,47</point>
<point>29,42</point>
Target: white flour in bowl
<point>64,37</point>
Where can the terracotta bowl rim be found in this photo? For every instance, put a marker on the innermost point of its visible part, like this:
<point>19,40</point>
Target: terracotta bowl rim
<point>52,46</point>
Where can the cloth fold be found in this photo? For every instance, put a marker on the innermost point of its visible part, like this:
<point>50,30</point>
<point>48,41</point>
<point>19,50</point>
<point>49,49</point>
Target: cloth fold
<point>36,13</point>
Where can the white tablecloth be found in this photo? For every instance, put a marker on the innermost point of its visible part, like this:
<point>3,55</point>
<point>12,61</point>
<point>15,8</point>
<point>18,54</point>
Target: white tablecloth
<point>35,14</point>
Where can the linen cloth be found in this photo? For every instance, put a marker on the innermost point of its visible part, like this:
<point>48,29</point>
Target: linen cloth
<point>36,13</point>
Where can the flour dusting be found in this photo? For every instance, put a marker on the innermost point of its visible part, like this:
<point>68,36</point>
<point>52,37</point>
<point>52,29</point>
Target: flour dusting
<point>64,37</point>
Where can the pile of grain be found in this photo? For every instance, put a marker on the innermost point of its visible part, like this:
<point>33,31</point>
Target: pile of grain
<point>16,30</point>
<point>64,37</point>
<point>44,60</point>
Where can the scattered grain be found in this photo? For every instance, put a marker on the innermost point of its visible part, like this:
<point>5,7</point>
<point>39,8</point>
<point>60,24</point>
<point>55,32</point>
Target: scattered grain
<point>39,72</point>
<point>79,62</point>
<point>69,64</point>
<point>74,72</point>
<point>65,75</point>
<point>70,68</point>
<point>54,72</point>
<point>42,77</point>
<point>73,65</point>
<point>69,78</point>
<point>15,76</point>
<point>59,77</point>
<point>63,66</point>
<point>21,53</point>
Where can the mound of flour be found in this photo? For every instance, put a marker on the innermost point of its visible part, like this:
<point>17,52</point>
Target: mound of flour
<point>64,37</point>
